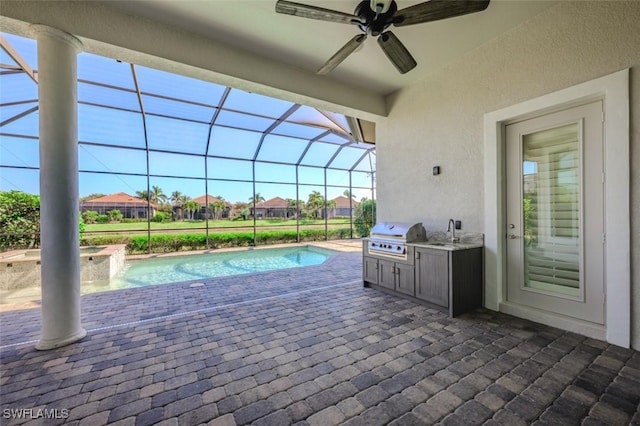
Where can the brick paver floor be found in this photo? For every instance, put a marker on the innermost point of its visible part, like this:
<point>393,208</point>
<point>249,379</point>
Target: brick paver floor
<point>308,346</point>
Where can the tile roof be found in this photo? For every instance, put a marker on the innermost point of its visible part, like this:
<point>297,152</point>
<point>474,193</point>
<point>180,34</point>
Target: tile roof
<point>203,200</point>
<point>343,202</point>
<point>118,198</point>
<point>275,202</point>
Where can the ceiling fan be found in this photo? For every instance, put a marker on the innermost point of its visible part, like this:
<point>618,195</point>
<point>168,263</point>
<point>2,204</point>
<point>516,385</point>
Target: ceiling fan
<point>373,17</point>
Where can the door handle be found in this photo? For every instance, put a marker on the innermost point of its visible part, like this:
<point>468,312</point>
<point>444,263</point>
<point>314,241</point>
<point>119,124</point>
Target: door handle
<point>512,236</point>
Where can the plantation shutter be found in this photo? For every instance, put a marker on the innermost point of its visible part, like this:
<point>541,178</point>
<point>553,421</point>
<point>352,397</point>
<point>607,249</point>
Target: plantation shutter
<point>551,190</point>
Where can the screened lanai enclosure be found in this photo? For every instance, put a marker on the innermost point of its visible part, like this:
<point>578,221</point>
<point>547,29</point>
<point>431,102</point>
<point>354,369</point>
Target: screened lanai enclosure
<point>167,162</point>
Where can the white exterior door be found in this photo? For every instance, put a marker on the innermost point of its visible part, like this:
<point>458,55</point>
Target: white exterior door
<point>555,213</point>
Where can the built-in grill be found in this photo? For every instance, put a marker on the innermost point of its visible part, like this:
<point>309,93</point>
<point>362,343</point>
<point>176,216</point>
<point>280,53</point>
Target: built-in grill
<point>389,239</point>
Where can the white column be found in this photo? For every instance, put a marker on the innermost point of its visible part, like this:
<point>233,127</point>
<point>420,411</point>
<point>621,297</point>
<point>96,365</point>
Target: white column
<point>57,93</point>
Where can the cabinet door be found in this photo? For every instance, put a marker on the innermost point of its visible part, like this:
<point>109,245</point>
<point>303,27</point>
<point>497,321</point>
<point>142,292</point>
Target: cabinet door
<point>370,269</point>
<point>405,279</point>
<point>386,274</point>
<point>432,276</point>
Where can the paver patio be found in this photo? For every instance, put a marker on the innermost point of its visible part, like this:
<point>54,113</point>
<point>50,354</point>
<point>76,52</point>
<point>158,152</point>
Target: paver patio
<point>309,346</point>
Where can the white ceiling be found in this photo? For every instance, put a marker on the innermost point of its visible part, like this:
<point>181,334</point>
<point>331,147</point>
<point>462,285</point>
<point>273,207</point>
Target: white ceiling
<point>253,26</point>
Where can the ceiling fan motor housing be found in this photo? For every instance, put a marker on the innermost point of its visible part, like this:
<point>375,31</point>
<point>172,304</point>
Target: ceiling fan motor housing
<point>372,23</point>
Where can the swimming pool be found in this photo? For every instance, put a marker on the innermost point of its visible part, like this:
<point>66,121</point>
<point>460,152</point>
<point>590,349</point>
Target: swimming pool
<point>140,273</point>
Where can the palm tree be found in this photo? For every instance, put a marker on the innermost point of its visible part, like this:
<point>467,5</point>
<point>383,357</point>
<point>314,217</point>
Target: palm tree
<point>157,196</point>
<point>257,198</point>
<point>315,203</point>
<point>176,198</point>
<point>182,200</point>
<point>217,208</point>
<point>143,195</point>
<point>348,194</point>
<point>186,212</point>
<point>331,204</point>
<point>176,204</point>
<point>191,207</point>
<point>292,206</point>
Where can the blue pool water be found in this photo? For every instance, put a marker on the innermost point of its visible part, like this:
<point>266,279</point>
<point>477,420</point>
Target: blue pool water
<point>140,273</point>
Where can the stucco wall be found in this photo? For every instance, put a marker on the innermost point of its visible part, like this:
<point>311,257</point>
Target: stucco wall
<point>439,121</point>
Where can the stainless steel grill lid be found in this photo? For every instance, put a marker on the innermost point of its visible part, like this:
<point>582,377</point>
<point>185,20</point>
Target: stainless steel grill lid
<point>407,232</point>
<point>391,238</point>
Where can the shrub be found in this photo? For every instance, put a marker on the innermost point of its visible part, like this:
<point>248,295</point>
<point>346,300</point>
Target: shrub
<point>230,239</point>
<point>275,237</point>
<point>130,220</point>
<point>19,220</point>
<point>138,245</point>
<point>189,242</point>
<point>102,218</point>
<point>90,216</point>
<point>105,240</point>
<point>115,215</point>
<point>365,216</point>
<point>81,227</point>
<point>339,234</point>
<point>166,243</point>
<point>160,217</point>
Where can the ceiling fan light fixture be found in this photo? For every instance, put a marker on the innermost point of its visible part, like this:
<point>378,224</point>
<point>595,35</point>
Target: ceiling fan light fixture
<point>380,6</point>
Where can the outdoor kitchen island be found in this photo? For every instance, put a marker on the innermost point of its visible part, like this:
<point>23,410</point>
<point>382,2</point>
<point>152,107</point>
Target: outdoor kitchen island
<point>447,276</point>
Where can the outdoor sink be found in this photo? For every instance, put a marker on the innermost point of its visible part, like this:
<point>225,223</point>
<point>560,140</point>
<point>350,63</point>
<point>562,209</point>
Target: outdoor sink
<point>439,244</point>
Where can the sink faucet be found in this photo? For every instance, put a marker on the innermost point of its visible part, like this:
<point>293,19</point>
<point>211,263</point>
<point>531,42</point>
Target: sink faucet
<point>452,228</point>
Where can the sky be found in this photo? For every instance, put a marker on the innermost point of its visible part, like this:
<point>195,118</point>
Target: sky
<point>183,148</point>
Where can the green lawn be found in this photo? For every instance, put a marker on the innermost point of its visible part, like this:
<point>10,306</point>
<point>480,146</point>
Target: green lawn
<point>200,224</point>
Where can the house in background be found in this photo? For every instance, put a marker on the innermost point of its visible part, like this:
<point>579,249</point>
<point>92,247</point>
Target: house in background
<point>201,208</point>
<point>131,207</point>
<point>212,207</point>
<point>276,207</point>
<point>343,207</point>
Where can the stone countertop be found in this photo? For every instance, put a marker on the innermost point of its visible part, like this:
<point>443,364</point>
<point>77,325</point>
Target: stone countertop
<point>446,245</point>
<point>442,241</point>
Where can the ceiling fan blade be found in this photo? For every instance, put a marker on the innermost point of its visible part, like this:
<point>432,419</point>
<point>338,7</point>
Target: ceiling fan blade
<point>314,12</point>
<point>342,54</point>
<point>396,52</point>
<point>435,10</point>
